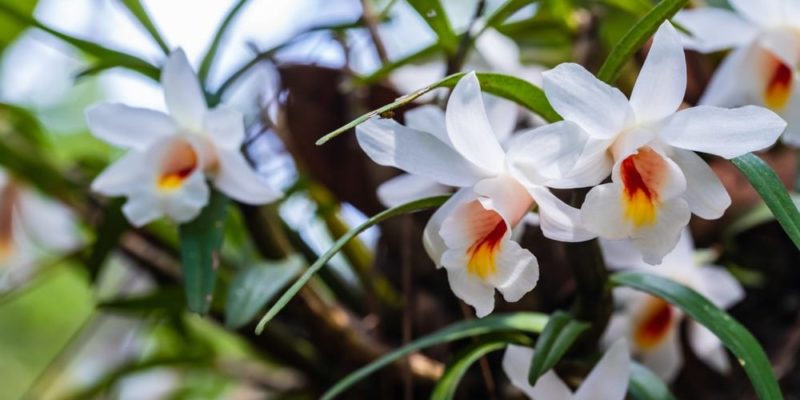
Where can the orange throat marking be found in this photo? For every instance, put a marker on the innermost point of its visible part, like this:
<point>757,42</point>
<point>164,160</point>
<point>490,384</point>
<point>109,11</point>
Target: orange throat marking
<point>656,323</point>
<point>180,165</point>
<point>779,87</point>
<point>639,199</point>
<point>483,254</point>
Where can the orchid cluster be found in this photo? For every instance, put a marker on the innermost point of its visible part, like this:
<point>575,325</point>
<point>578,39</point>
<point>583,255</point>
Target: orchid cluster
<point>636,167</point>
<point>645,143</point>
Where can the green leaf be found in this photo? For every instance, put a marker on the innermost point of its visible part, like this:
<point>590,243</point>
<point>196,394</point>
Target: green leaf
<point>517,90</point>
<point>407,208</point>
<point>645,385</point>
<point>109,231</point>
<point>169,300</point>
<point>254,286</point>
<point>561,332</point>
<point>448,384</point>
<point>505,11</point>
<point>211,53</point>
<point>735,337</point>
<point>434,15</point>
<point>516,322</point>
<point>636,37</point>
<point>140,13</point>
<point>201,240</point>
<point>772,190</point>
<point>9,31</point>
<point>107,56</point>
<point>761,214</point>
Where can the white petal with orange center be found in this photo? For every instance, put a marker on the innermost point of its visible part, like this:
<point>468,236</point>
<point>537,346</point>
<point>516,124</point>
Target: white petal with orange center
<point>778,78</point>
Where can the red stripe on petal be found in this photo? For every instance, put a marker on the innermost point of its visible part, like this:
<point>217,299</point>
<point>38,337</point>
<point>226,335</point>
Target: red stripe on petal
<point>180,162</point>
<point>642,175</point>
<point>483,253</point>
<point>779,86</point>
<point>655,323</point>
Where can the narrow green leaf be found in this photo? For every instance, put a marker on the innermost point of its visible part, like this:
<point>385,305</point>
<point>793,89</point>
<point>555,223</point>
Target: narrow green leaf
<point>201,240</point>
<point>448,384</point>
<point>407,208</point>
<point>169,300</point>
<point>254,286</point>
<point>434,15</point>
<point>735,337</point>
<point>517,90</point>
<point>385,70</point>
<point>516,322</point>
<point>140,13</point>
<point>773,192</point>
<point>106,55</point>
<point>636,37</point>
<point>109,231</point>
<point>9,31</point>
<point>211,53</point>
<point>505,11</point>
<point>561,332</point>
<point>645,385</point>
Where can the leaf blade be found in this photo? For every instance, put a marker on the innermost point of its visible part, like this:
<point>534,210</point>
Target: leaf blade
<point>561,332</point>
<point>636,37</point>
<point>213,48</point>
<point>645,385</point>
<point>252,287</point>
<point>337,246</point>
<point>434,15</point>
<point>201,240</point>
<point>140,13</point>
<point>521,322</point>
<point>732,334</point>
<point>771,189</point>
<point>506,86</point>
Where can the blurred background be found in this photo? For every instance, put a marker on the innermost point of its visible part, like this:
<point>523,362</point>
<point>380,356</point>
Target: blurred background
<point>107,319</point>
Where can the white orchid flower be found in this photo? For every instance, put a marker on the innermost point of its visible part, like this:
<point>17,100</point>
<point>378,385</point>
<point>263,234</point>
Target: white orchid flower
<point>762,69</point>
<point>31,226</point>
<point>647,145</point>
<point>651,324</point>
<point>608,379</point>
<point>409,187</point>
<point>170,155</point>
<point>470,235</point>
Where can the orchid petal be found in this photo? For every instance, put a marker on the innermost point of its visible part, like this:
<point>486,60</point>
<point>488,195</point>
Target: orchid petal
<point>609,377</point>
<point>661,84</point>
<point>431,239</point>
<point>472,290</point>
<point>659,239</point>
<point>182,92</point>
<point>468,126</point>
<point>128,127</point>
<point>405,188</point>
<point>665,360</point>
<point>51,224</point>
<point>547,155</point>
<point>123,175</point>
<point>708,347</point>
<point>517,362</point>
<point>558,220</point>
<point>727,133</point>
<point>726,88</point>
<point>602,212</point>
<point>763,13</point>
<point>721,287</point>
<point>225,126</point>
<point>428,118</point>
<point>237,179</point>
<point>388,143</point>
<point>706,196</point>
<point>601,110</point>
<point>714,29</point>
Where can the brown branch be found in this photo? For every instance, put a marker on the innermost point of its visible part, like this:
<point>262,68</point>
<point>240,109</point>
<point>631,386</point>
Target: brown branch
<point>371,22</point>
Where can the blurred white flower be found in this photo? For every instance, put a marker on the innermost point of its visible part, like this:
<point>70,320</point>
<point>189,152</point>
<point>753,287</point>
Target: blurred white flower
<point>651,325</point>
<point>170,156</point>
<point>470,235</point>
<point>608,379</point>
<point>647,145</point>
<point>762,69</point>
<point>31,226</point>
